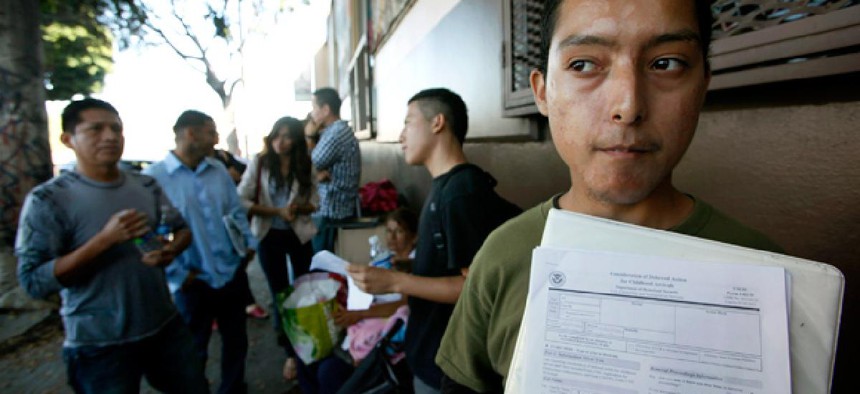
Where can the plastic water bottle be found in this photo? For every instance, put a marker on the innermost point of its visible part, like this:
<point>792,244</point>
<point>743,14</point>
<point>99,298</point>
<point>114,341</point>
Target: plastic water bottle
<point>163,229</point>
<point>374,247</point>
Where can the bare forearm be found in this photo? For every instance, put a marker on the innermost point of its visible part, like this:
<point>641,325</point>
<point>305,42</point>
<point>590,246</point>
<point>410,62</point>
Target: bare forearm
<point>445,289</point>
<point>305,209</point>
<point>181,240</point>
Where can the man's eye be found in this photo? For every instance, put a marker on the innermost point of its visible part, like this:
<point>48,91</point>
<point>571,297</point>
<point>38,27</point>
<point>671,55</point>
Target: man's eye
<point>668,64</point>
<point>583,66</point>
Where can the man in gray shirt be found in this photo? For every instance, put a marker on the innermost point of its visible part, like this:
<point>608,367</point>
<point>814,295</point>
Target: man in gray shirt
<point>83,234</point>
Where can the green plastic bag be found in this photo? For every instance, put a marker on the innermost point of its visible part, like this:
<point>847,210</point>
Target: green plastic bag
<point>306,311</point>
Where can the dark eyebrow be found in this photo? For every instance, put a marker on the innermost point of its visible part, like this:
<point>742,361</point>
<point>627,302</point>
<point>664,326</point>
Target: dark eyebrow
<point>678,36</point>
<point>681,35</point>
<point>576,40</point>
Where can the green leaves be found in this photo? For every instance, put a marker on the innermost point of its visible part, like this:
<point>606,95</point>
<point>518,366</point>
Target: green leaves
<point>78,38</point>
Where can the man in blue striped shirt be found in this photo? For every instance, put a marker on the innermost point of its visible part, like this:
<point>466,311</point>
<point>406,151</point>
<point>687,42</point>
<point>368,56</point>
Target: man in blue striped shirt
<point>337,159</point>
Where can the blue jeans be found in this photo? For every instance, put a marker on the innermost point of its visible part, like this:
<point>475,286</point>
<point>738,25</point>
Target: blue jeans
<point>167,360</point>
<point>199,306</point>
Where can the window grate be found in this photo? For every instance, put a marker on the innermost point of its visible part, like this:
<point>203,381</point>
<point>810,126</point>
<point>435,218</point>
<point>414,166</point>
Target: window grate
<point>525,41</point>
<point>735,17</point>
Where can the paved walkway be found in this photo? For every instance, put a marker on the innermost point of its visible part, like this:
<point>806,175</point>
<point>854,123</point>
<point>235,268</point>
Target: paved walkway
<point>32,363</point>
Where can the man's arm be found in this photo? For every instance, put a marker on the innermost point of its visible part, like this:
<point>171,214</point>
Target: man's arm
<point>79,264</point>
<point>326,152</point>
<point>164,256</point>
<point>375,280</point>
<point>346,318</point>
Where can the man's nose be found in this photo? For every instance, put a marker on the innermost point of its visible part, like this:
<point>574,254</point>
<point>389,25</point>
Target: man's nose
<point>626,94</point>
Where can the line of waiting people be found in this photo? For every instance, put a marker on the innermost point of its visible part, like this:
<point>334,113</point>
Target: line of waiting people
<point>85,250</point>
<point>622,96</point>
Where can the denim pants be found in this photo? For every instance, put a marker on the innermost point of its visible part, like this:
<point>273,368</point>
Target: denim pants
<point>199,306</point>
<point>272,252</point>
<point>167,360</point>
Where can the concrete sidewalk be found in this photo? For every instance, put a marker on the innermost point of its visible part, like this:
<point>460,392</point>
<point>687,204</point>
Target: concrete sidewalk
<point>31,351</point>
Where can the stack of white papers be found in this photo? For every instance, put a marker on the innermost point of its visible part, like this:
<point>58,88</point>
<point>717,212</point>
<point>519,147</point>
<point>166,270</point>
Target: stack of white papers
<point>616,308</point>
<point>357,299</point>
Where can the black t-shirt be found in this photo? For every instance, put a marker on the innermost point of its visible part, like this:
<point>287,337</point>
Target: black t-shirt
<point>460,212</point>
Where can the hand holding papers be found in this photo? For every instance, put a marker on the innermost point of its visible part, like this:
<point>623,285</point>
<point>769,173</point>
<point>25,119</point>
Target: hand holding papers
<point>815,291</point>
<point>327,261</point>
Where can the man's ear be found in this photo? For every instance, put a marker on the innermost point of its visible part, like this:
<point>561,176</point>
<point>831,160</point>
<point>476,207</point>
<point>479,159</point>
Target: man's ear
<point>66,139</point>
<point>538,83</point>
<point>438,123</point>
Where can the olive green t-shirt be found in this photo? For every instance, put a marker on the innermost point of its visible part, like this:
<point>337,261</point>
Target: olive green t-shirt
<point>479,342</point>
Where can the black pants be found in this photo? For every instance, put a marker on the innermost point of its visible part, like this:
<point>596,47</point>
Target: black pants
<point>273,251</point>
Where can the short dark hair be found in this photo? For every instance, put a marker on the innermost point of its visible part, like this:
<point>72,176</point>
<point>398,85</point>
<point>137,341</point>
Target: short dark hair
<point>72,113</point>
<point>549,17</point>
<point>191,118</point>
<point>449,104</point>
<point>330,97</point>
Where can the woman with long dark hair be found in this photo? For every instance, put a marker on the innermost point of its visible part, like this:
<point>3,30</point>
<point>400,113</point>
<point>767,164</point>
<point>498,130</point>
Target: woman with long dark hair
<point>279,192</point>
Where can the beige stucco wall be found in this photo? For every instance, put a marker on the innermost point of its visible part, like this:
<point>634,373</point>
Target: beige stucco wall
<point>793,172</point>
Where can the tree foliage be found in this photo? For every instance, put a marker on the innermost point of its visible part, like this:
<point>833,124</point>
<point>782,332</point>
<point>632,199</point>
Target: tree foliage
<point>78,39</point>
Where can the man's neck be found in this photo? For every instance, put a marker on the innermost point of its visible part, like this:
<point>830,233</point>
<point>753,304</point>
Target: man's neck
<point>444,158</point>
<point>328,122</point>
<point>106,173</point>
<point>190,160</point>
<point>664,208</point>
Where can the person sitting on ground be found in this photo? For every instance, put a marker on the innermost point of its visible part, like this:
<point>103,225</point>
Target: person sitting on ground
<point>366,327</point>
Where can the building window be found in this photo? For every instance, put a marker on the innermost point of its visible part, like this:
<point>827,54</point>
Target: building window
<point>521,54</point>
<point>768,41</point>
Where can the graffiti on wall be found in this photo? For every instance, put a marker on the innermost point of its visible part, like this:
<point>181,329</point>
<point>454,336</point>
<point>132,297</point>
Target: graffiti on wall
<point>25,158</point>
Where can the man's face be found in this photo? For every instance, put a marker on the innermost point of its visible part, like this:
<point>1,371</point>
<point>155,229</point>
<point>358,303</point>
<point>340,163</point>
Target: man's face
<point>624,84</point>
<point>318,113</point>
<point>98,139</point>
<point>416,135</point>
<point>200,140</point>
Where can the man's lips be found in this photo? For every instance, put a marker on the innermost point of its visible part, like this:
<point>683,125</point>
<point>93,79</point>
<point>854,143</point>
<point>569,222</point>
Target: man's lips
<point>627,150</point>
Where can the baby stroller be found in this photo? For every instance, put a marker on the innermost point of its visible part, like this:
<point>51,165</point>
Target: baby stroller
<point>376,375</point>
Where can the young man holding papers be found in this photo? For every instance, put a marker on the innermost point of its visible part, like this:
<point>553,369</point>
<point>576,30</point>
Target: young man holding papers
<point>622,83</point>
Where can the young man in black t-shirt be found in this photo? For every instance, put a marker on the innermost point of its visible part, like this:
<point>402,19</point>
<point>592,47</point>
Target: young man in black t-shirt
<point>461,210</point>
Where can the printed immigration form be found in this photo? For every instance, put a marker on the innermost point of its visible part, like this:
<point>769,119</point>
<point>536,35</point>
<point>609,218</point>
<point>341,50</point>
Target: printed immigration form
<point>601,322</point>
<point>816,289</point>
